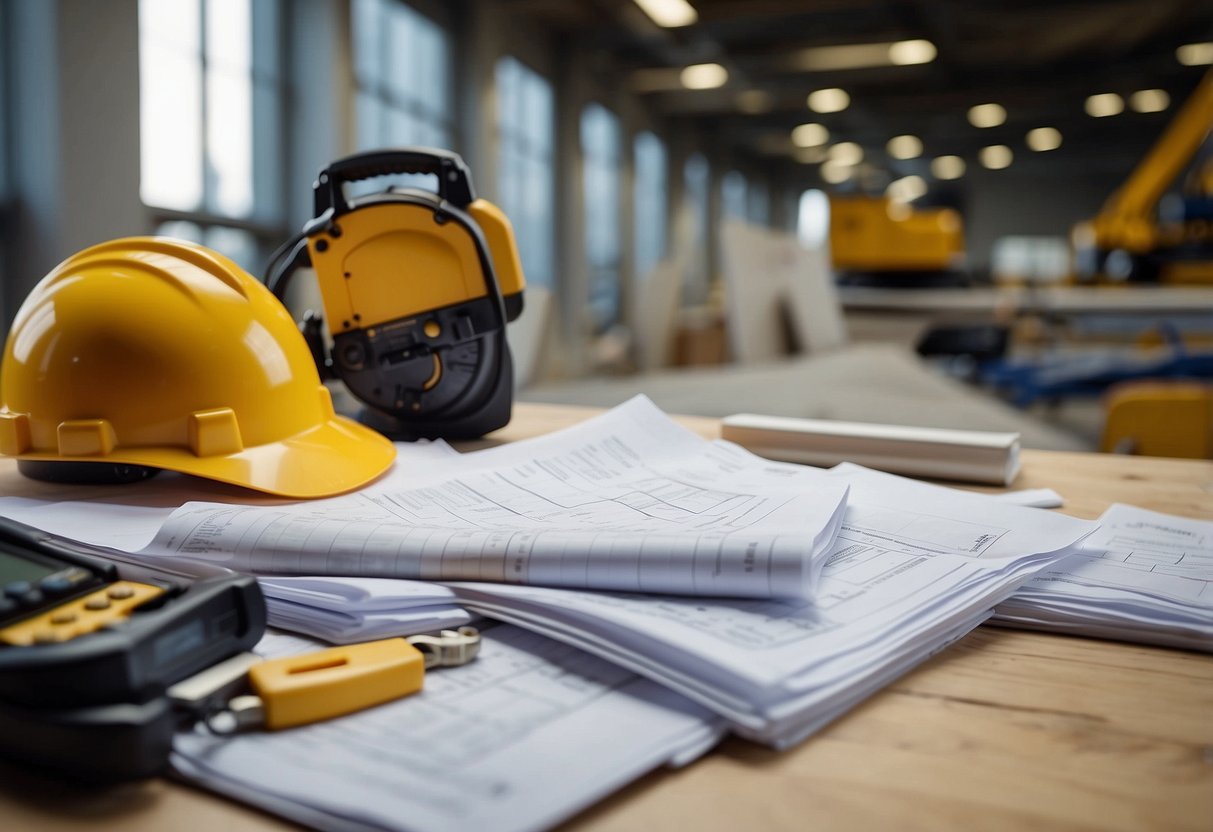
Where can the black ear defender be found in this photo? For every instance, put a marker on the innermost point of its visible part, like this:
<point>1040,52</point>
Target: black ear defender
<point>417,288</point>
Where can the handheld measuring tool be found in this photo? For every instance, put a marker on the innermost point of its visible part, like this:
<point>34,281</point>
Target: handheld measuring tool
<point>417,288</point>
<point>86,653</point>
<point>100,663</point>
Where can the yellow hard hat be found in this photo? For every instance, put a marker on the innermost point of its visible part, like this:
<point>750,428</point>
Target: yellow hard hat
<point>153,352</point>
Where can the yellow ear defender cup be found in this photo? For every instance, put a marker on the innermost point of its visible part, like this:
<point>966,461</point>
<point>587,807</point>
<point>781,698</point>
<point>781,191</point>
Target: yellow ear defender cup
<point>154,353</point>
<point>417,288</point>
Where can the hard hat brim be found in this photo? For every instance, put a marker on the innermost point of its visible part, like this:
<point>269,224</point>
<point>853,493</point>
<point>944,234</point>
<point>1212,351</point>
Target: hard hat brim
<point>332,458</point>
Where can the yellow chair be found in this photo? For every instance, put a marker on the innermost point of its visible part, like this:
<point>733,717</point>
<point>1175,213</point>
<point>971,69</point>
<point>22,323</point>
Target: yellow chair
<point>1159,418</point>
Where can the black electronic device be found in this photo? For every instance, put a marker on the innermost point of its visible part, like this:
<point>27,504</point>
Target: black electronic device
<point>88,650</point>
<point>417,288</point>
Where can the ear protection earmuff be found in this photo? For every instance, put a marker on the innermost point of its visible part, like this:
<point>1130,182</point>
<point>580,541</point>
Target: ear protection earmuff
<point>417,288</point>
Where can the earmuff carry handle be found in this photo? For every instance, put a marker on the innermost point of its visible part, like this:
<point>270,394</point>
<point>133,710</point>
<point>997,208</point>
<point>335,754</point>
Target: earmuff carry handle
<point>454,178</point>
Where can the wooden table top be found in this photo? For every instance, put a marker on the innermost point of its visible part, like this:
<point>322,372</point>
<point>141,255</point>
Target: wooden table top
<point>1003,730</point>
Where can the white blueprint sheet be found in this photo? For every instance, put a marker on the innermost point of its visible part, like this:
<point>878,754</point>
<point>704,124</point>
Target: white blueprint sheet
<point>628,500</point>
<point>1144,576</point>
<point>897,581</point>
<point>127,518</point>
<point>1162,545</point>
<point>526,735</point>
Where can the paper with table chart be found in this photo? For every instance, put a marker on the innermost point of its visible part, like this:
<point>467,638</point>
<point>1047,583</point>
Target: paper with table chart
<point>345,611</point>
<point>1144,576</point>
<point>628,500</point>
<point>913,568</point>
<point>127,518</point>
<point>360,609</point>
<point>520,739</point>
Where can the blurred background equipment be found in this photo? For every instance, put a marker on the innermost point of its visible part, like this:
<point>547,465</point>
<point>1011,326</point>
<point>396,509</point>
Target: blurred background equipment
<point>878,239</point>
<point>1150,230</point>
<point>1160,418</point>
<point>910,144</point>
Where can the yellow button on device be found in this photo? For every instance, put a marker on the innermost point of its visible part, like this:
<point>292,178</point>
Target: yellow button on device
<point>80,616</point>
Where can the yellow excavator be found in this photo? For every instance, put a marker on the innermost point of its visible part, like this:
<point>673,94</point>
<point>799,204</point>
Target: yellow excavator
<point>1141,234</point>
<point>874,235</point>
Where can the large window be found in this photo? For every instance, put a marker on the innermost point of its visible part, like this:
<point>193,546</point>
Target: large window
<point>758,204</point>
<point>4,59</point>
<point>525,165</point>
<point>6,221</point>
<point>733,195</point>
<point>601,151</point>
<point>402,68</point>
<point>696,174</point>
<point>649,233</point>
<point>210,122</point>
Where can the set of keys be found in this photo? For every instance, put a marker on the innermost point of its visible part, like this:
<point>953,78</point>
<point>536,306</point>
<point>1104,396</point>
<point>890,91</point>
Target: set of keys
<point>248,692</point>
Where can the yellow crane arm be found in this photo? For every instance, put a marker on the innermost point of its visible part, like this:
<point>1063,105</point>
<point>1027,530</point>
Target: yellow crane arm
<point>1127,219</point>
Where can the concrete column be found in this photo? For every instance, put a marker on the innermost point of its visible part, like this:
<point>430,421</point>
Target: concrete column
<point>74,132</point>
<point>320,97</point>
<point>573,273</point>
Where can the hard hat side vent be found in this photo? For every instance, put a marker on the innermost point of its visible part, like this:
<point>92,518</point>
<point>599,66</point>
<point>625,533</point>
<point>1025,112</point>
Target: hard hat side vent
<point>215,432</point>
<point>86,437</point>
<point>14,433</point>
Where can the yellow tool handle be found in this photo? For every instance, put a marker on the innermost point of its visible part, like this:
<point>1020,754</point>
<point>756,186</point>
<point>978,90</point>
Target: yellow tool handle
<point>316,686</point>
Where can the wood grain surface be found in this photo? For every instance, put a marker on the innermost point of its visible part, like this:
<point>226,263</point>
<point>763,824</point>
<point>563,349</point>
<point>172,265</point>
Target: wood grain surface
<point>1004,730</point>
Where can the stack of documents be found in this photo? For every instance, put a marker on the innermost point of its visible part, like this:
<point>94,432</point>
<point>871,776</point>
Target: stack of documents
<point>914,567</point>
<point>341,612</point>
<point>1144,576</point>
<point>360,609</point>
<point>626,501</point>
<point>522,738</point>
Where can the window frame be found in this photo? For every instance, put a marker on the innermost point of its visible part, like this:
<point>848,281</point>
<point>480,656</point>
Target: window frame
<point>513,144</point>
<point>386,98</point>
<point>266,222</point>
<point>5,114</point>
<point>644,261</point>
<point>8,208</point>
<point>697,192</point>
<point>612,300</point>
<point>734,192</point>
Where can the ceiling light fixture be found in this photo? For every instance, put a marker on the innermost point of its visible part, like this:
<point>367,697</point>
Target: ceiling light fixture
<point>846,153</point>
<point>863,56</point>
<point>904,147</point>
<point>910,52</point>
<point>836,172</point>
<point>898,211</point>
<point>703,76</point>
<point>947,167</point>
<point>996,156</point>
<point>810,135</point>
<point>831,100</point>
<point>669,13</point>
<point>1044,138</point>
<point>1105,104</point>
<point>1150,101</point>
<point>906,189</point>
<point>1195,54</point>
<point>987,115</point>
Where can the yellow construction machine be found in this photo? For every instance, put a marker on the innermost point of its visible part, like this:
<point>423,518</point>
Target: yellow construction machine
<point>1143,233</point>
<point>874,235</point>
